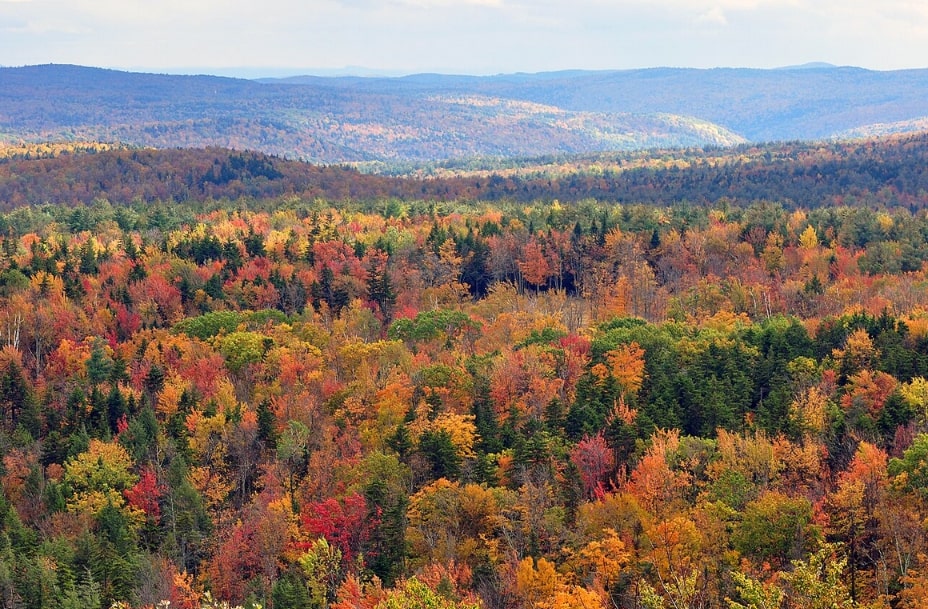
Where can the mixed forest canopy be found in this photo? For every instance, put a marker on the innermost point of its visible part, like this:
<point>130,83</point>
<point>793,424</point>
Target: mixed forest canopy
<point>883,172</point>
<point>688,379</point>
<point>428,117</point>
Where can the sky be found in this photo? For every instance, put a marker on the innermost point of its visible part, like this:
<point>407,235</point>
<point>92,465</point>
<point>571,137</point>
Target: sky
<point>279,37</point>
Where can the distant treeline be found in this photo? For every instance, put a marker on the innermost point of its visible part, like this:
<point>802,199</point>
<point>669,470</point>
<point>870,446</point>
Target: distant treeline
<point>882,172</point>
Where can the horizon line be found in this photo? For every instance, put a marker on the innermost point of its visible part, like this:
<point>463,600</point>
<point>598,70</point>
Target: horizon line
<point>278,72</point>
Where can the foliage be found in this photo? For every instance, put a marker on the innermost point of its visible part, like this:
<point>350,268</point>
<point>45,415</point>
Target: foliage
<point>452,404</point>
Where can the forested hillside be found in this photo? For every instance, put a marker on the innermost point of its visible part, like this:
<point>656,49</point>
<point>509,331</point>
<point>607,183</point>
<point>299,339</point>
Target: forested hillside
<point>761,105</point>
<point>288,386</point>
<point>890,171</point>
<point>431,117</point>
<point>323,122</point>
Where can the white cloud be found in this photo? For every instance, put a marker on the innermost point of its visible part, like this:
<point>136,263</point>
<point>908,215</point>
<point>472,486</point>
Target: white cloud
<point>465,35</point>
<point>714,16</point>
<point>47,28</point>
<point>451,3</point>
<point>699,6</point>
<point>430,4</point>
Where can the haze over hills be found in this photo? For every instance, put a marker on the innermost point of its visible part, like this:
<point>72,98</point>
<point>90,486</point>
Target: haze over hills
<point>802,102</point>
<point>433,117</point>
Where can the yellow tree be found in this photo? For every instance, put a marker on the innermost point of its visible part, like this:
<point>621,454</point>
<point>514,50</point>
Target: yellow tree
<point>818,583</point>
<point>754,594</point>
<point>626,364</point>
<point>601,561</point>
<point>915,393</point>
<point>542,587</point>
<point>675,546</point>
<point>413,594</point>
<point>808,240</point>
<point>98,477</point>
<point>448,521</point>
<point>852,511</point>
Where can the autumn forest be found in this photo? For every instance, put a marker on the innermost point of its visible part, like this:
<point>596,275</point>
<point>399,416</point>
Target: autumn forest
<point>674,380</point>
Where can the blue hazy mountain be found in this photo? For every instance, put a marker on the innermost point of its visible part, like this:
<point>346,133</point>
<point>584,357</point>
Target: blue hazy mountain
<point>435,116</point>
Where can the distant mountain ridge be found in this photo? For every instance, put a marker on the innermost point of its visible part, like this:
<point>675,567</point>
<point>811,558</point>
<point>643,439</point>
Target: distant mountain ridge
<point>434,117</point>
<point>803,102</point>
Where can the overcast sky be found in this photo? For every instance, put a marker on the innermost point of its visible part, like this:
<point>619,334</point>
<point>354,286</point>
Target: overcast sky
<point>461,36</point>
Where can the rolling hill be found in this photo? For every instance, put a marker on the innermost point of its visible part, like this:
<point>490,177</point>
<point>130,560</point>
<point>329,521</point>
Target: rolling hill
<point>891,171</point>
<point>431,117</point>
<point>324,122</point>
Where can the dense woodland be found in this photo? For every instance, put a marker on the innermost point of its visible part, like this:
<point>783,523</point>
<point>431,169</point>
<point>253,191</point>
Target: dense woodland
<point>890,172</point>
<point>331,120</point>
<point>390,402</point>
<point>428,117</point>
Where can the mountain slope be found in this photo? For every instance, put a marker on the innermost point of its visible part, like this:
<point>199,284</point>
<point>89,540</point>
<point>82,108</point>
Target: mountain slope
<point>889,171</point>
<point>429,117</point>
<point>762,105</point>
<point>321,121</point>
